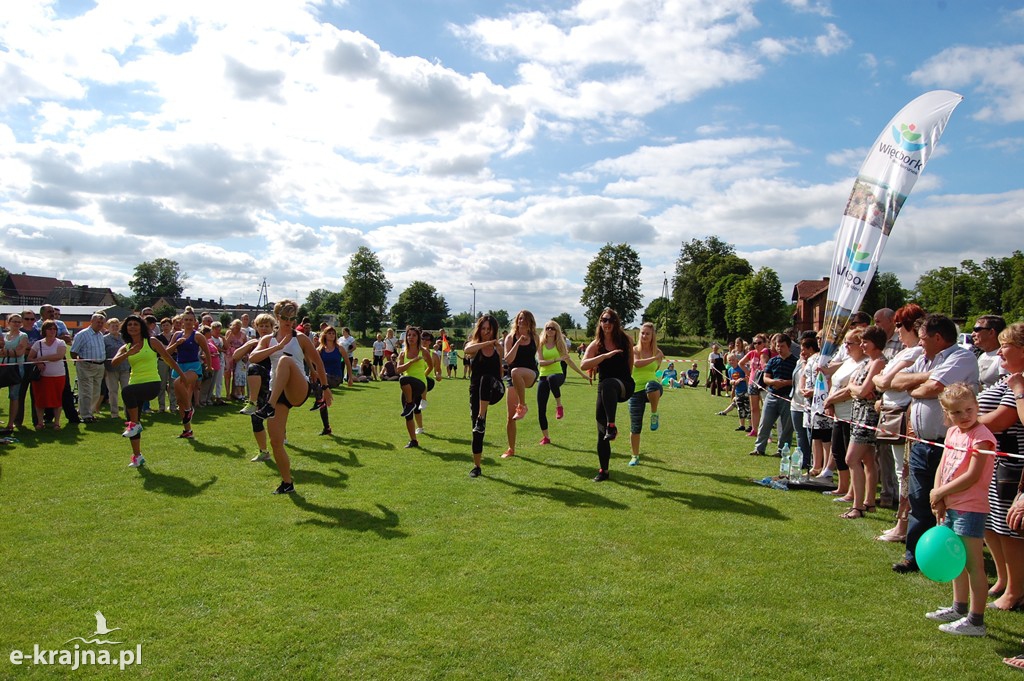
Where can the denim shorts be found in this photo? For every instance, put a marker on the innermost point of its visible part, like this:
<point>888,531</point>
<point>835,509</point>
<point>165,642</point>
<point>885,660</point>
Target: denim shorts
<point>966,523</point>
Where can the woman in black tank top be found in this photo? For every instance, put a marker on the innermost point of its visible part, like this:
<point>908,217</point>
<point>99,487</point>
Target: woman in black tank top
<point>521,356</point>
<point>485,385</point>
<point>611,353</point>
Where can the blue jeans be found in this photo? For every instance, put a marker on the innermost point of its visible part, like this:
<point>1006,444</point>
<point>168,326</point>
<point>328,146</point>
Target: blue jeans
<point>775,409</point>
<point>924,461</point>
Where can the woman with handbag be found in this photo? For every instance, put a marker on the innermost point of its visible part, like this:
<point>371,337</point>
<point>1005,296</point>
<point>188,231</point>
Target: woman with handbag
<point>49,353</point>
<point>15,348</point>
<point>1001,407</point>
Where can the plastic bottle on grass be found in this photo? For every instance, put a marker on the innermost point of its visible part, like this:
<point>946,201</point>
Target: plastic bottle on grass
<point>784,462</point>
<point>796,464</point>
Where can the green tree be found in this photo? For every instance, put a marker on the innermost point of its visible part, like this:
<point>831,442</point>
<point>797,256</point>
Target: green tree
<point>937,291</point>
<point>566,321</point>
<point>419,305</point>
<point>612,280</point>
<point>885,290</point>
<point>319,303</point>
<point>664,314</point>
<point>717,306</point>
<point>701,264</point>
<point>127,302</point>
<point>156,278</point>
<point>500,316</point>
<point>755,304</point>
<point>364,298</point>
<point>462,320</point>
<point>1013,296</point>
<point>165,311</point>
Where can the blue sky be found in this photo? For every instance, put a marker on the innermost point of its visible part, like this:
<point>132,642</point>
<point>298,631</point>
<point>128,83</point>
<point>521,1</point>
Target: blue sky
<point>489,145</point>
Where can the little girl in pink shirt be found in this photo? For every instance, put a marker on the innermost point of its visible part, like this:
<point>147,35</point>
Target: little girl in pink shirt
<point>960,502</point>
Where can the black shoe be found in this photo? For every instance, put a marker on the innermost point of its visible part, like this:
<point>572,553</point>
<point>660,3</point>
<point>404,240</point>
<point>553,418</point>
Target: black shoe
<point>475,473</point>
<point>610,433</point>
<point>326,431</point>
<point>285,488</point>
<point>741,428</point>
<point>265,412</point>
<point>905,567</point>
<point>412,444</point>
<point>480,426</point>
<point>188,415</point>
<point>408,409</point>
<point>601,476</point>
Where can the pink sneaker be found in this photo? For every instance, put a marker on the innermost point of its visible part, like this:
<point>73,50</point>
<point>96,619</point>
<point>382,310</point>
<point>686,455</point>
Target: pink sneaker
<point>520,412</point>
<point>751,434</point>
<point>545,440</point>
<point>559,413</point>
<point>508,454</point>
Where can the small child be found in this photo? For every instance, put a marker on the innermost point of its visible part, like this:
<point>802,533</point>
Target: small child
<point>738,379</point>
<point>959,500</point>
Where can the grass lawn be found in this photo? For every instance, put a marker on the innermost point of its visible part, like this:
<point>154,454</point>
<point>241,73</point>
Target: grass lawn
<point>393,564</point>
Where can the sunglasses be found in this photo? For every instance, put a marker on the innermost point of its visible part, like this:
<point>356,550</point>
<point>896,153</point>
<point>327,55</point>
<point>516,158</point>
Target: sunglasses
<point>978,329</point>
<point>287,319</point>
<point>607,320</point>
<point>758,342</point>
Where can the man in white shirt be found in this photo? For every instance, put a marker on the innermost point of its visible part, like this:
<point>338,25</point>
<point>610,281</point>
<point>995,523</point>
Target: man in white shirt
<point>986,341</point>
<point>89,351</point>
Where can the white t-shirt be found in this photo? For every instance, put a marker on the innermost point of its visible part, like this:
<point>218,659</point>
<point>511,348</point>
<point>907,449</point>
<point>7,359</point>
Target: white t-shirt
<point>989,368</point>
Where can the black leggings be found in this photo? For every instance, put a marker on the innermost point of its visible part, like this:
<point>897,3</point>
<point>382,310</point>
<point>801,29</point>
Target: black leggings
<point>610,392</point>
<point>490,389</point>
<point>418,390</point>
<point>135,395</point>
<point>840,443</point>
<point>548,385</point>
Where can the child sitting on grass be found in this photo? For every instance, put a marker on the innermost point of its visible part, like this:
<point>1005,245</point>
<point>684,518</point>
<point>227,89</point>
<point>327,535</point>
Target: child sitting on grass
<point>959,500</point>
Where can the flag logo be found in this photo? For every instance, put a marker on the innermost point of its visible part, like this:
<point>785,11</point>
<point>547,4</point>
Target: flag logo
<point>858,259</point>
<point>908,138</point>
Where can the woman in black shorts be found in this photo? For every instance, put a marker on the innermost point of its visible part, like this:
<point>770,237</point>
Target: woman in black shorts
<point>485,386</point>
<point>611,353</point>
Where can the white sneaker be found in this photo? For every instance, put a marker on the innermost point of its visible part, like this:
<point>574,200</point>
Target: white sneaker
<point>947,614</point>
<point>249,409</point>
<point>423,405</point>
<point>419,431</point>
<point>962,627</point>
<point>137,461</point>
<point>131,429</point>
<point>262,456</point>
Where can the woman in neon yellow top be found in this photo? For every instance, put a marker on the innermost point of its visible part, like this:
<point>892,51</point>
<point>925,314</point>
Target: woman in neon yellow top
<point>551,353</point>
<point>646,360</point>
<point>141,351</point>
<point>414,362</point>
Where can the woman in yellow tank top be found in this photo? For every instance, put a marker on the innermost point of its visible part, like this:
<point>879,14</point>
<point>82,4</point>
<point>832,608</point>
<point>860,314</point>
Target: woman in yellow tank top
<point>551,353</point>
<point>646,360</point>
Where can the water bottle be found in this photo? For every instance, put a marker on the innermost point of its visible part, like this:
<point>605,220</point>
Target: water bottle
<point>784,462</point>
<point>796,464</point>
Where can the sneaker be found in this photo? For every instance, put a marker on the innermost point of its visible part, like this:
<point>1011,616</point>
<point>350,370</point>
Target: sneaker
<point>131,429</point>
<point>963,627</point>
<point>262,456</point>
<point>508,454</point>
<point>326,431</point>
<point>654,420</point>
<point>947,614</point>
<point>318,396</point>
<point>265,412</point>
<point>412,444</point>
<point>545,440</point>
<point>601,476</point>
<point>720,413</point>
<point>407,409</point>
<point>188,415</point>
<point>186,434</point>
<point>420,431</point>
<point>751,433</point>
<point>634,461</point>
<point>285,488</point>
<point>756,453</point>
<point>559,413</point>
<point>520,412</point>
<point>611,432</point>
<point>423,405</point>
<point>475,473</point>
<point>137,461</point>
<point>741,429</point>
<point>479,426</point>
<point>249,409</point>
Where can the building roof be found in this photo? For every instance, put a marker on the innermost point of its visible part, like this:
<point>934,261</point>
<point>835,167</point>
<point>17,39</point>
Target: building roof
<point>809,288</point>
<point>32,286</point>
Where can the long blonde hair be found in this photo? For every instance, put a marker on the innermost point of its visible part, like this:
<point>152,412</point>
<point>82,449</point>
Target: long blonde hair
<point>638,350</point>
<point>559,337</point>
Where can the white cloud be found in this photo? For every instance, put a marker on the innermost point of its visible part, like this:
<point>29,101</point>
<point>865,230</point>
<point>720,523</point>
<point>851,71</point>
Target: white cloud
<point>996,73</point>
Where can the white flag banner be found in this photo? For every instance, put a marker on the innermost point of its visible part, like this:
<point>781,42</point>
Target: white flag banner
<point>884,181</point>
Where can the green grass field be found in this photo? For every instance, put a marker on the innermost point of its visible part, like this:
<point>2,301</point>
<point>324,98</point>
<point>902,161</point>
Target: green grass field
<point>393,564</point>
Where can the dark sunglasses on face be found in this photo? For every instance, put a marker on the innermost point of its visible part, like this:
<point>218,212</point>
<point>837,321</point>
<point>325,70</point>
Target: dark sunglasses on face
<point>607,320</point>
<point>978,329</point>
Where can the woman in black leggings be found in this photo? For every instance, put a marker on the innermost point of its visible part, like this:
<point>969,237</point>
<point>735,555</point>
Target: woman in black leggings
<point>611,353</point>
<point>141,352</point>
<point>485,384</point>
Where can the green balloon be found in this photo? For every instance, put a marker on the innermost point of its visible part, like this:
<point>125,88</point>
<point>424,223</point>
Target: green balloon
<point>940,554</point>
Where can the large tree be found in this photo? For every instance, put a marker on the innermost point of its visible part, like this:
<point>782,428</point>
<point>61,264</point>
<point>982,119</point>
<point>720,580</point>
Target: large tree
<point>156,278</point>
<point>364,298</point>
<point>566,321</point>
<point>420,305</point>
<point>612,280</point>
<point>664,314</point>
<point>755,304</point>
<point>500,316</point>
<point>701,265</point>
<point>320,302</point>
<point>885,290</point>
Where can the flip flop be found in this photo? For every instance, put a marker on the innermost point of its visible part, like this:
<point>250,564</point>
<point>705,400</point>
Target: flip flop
<point>1015,662</point>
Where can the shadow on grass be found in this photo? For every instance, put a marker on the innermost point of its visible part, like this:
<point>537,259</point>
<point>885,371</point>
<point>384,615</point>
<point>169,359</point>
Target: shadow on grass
<point>338,480</point>
<point>235,451</point>
<point>573,497</point>
<point>351,460</point>
<point>385,527</point>
<point>454,440</point>
<point>171,485</point>
<point>726,503</point>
